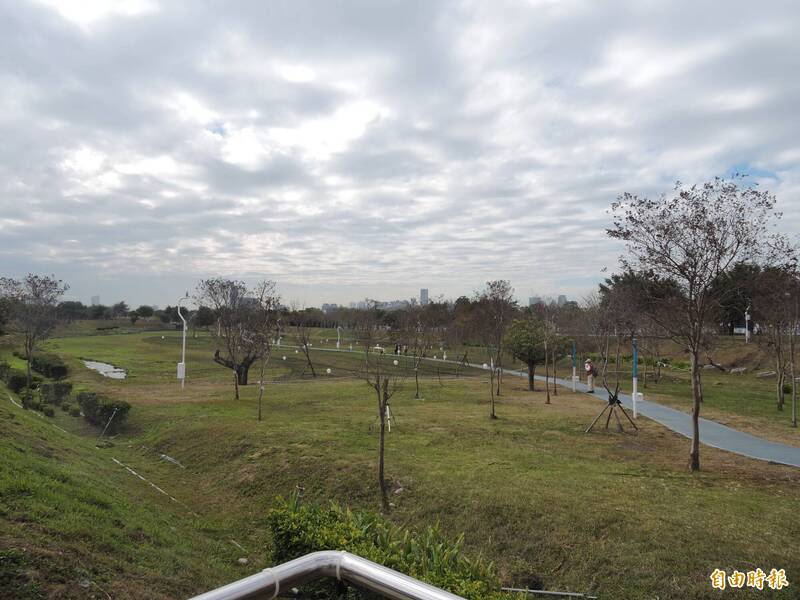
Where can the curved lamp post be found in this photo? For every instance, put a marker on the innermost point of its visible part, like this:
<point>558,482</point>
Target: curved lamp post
<point>182,364</point>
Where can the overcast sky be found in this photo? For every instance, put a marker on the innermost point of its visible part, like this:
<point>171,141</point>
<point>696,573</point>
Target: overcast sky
<point>367,149</point>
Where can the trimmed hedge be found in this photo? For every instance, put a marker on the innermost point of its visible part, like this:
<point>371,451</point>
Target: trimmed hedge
<point>50,366</point>
<point>16,379</point>
<point>298,530</point>
<point>55,393</point>
<point>97,409</point>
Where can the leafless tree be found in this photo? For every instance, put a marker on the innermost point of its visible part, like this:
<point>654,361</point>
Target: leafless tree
<point>263,324</point>
<point>416,336</point>
<point>304,338</point>
<point>230,302</point>
<point>33,307</point>
<point>497,308</point>
<point>686,242</point>
<point>775,315</point>
<point>379,372</point>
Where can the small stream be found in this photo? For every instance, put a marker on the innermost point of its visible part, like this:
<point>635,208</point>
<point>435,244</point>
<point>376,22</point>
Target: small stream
<point>105,369</point>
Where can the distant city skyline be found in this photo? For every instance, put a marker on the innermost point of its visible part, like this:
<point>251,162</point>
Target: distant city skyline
<point>326,305</point>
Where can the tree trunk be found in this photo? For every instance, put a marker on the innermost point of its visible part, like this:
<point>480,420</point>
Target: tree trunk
<point>28,369</point>
<point>491,390</point>
<point>697,397</point>
<point>779,378</point>
<point>383,398</point>
<point>555,389</point>
<point>546,376</point>
<point>235,384</point>
<point>416,379</point>
<point>644,378</point>
<point>531,368</point>
<point>242,372</point>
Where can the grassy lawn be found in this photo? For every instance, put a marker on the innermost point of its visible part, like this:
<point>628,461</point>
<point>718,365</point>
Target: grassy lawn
<point>614,514</point>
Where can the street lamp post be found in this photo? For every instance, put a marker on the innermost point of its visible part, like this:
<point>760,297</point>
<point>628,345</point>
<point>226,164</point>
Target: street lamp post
<point>182,364</point>
<point>747,324</point>
<point>338,335</point>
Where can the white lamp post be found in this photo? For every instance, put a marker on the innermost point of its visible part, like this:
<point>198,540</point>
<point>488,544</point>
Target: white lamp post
<point>182,364</point>
<point>338,336</point>
<point>747,324</point>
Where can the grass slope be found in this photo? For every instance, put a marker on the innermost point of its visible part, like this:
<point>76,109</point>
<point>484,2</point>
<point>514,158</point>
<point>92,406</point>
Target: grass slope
<point>75,524</point>
<point>614,514</point>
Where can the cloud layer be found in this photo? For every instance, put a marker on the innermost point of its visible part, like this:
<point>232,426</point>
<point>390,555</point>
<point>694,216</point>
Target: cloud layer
<point>351,149</point>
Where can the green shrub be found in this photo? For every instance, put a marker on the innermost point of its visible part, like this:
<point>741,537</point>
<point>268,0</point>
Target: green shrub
<point>4,369</point>
<point>55,393</point>
<point>65,406</point>
<point>74,411</point>
<point>16,380</point>
<point>49,365</point>
<point>97,409</point>
<point>298,530</point>
<point>26,397</point>
<point>48,411</point>
<point>787,388</point>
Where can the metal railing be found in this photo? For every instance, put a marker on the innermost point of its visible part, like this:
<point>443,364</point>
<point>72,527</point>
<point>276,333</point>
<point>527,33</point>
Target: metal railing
<point>340,565</point>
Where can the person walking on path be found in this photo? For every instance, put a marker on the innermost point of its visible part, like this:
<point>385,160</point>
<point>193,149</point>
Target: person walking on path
<point>588,366</point>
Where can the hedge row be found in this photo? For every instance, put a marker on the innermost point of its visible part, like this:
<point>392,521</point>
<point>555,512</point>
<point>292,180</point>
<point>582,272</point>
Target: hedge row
<point>16,379</point>
<point>98,409</point>
<point>55,393</point>
<point>48,365</point>
<point>298,530</point>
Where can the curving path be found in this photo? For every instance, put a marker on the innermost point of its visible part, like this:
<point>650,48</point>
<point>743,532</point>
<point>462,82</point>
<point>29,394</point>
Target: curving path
<point>711,433</point>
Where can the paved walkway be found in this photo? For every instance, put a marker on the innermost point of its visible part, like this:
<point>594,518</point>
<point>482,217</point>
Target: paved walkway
<point>711,433</point>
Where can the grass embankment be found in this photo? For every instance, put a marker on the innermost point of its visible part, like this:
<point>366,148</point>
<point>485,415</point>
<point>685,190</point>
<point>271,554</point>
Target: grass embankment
<point>75,524</point>
<point>615,514</point>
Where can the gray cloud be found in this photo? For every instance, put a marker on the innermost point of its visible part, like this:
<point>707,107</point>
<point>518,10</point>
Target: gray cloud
<point>371,148</point>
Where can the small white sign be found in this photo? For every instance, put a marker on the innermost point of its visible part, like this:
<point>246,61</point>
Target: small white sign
<point>181,370</point>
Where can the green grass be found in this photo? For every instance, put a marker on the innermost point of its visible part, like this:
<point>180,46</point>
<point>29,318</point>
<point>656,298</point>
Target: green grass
<point>74,523</point>
<point>614,514</point>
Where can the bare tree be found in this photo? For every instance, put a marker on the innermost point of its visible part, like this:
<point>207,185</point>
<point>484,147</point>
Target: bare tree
<point>793,298</point>
<point>416,337</point>
<point>32,304</point>
<point>774,316</point>
<point>263,323</point>
<point>497,308</point>
<point>688,241</point>
<point>382,376</point>
<point>229,301</point>
<point>304,337</point>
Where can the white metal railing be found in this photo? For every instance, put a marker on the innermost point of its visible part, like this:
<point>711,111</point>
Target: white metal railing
<point>340,565</point>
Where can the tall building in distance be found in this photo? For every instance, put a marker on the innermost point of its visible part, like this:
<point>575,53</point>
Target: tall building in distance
<point>423,296</point>
<point>95,300</point>
<point>534,300</point>
<point>562,300</point>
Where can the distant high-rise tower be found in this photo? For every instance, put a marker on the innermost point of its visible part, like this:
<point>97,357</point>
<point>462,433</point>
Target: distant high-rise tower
<point>562,300</point>
<point>95,300</point>
<point>534,300</point>
<point>423,296</point>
